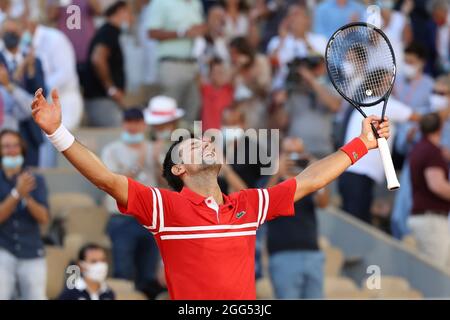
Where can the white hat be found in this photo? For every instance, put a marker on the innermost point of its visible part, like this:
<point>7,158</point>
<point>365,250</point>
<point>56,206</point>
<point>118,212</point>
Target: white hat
<point>162,110</point>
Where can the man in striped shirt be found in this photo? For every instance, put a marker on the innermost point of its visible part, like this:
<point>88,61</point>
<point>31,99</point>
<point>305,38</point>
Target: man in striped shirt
<point>206,238</point>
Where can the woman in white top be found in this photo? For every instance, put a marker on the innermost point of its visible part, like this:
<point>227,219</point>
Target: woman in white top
<point>237,19</point>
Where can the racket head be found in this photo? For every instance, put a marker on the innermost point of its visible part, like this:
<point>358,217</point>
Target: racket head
<point>361,64</point>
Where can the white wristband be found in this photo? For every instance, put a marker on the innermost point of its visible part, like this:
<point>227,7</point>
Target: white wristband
<point>62,139</point>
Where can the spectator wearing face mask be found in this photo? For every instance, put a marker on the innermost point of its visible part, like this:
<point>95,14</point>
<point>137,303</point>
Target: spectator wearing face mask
<point>105,76</point>
<point>25,71</point>
<point>412,87</point>
<point>91,285</point>
<point>217,94</point>
<point>23,208</point>
<point>134,250</point>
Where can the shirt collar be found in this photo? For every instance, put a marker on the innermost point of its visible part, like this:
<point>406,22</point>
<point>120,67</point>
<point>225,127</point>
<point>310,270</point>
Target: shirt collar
<point>198,199</point>
<point>81,285</point>
<point>9,57</point>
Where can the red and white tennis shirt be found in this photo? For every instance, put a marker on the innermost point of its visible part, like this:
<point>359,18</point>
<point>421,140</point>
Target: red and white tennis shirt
<point>208,250</point>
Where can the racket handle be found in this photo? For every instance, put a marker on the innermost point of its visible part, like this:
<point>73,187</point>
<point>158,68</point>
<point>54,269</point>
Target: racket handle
<point>391,176</point>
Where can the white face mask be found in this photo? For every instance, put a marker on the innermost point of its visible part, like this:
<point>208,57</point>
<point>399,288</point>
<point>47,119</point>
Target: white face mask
<point>410,70</point>
<point>348,68</point>
<point>438,102</point>
<point>96,272</point>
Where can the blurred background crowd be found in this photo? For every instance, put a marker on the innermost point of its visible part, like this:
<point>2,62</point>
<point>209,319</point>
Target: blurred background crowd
<point>137,70</point>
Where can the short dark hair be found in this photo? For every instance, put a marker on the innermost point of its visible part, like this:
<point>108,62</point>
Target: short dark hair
<point>214,62</point>
<point>174,181</point>
<point>84,250</point>
<point>242,45</point>
<point>23,144</point>
<point>430,123</point>
<point>242,5</point>
<point>133,114</point>
<point>418,50</point>
<point>114,8</point>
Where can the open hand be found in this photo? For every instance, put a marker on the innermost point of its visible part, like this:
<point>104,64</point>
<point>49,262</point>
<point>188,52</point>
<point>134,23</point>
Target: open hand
<point>47,116</point>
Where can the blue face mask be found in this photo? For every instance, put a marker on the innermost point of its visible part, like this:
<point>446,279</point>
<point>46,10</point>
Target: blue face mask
<point>129,138</point>
<point>12,162</point>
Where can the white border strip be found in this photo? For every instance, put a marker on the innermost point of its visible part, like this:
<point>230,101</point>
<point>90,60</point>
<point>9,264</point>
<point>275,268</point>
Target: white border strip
<point>154,212</point>
<point>260,205</point>
<point>161,210</point>
<point>208,235</point>
<point>266,205</point>
<point>215,227</point>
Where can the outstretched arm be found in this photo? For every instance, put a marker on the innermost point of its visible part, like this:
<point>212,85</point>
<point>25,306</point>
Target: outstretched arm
<point>48,117</point>
<point>322,172</point>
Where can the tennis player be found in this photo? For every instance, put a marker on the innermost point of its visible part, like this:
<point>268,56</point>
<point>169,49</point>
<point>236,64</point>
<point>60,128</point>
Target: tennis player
<point>206,238</point>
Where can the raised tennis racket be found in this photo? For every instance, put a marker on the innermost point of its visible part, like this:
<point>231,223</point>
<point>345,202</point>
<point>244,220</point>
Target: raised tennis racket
<point>361,65</point>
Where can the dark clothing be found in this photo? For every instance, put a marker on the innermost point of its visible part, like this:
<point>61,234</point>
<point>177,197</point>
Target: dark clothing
<point>109,36</point>
<point>29,84</point>
<point>81,293</point>
<point>426,155</point>
<point>20,233</point>
<point>425,32</point>
<point>299,232</point>
<point>135,253</point>
<point>28,129</point>
<point>357,195</point>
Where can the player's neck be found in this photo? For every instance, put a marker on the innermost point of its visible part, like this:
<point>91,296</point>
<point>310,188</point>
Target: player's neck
<point>206,185</point>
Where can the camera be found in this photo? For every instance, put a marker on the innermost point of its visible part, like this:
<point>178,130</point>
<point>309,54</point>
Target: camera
<point>294,80</point>
<point>301,161</point>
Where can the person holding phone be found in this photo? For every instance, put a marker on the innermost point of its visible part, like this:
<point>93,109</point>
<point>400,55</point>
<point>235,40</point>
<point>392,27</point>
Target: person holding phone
<point>23,208</point>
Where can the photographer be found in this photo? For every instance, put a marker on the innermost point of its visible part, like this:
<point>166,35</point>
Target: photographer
<point>295,260</point>
<point>311,105</point>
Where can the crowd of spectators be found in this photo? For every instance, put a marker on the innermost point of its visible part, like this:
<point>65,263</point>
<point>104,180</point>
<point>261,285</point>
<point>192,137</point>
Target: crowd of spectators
<point>234,65</point>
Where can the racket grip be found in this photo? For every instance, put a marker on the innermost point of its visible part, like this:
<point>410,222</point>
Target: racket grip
<point>391,175</point>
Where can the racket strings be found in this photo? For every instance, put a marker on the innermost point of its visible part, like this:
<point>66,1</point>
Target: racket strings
<point>361,64</point>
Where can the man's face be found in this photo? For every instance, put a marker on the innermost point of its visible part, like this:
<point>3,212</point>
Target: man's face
<point>195,156</point>
<point>216,21</point>
<point>134,127</point>
<point>415,61</point>
<point>300,21</point>
<point>219,75</point>
<point>93,256</point>
<point>12,26</point>
<point>126,16</point>
<point>10,146</point>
